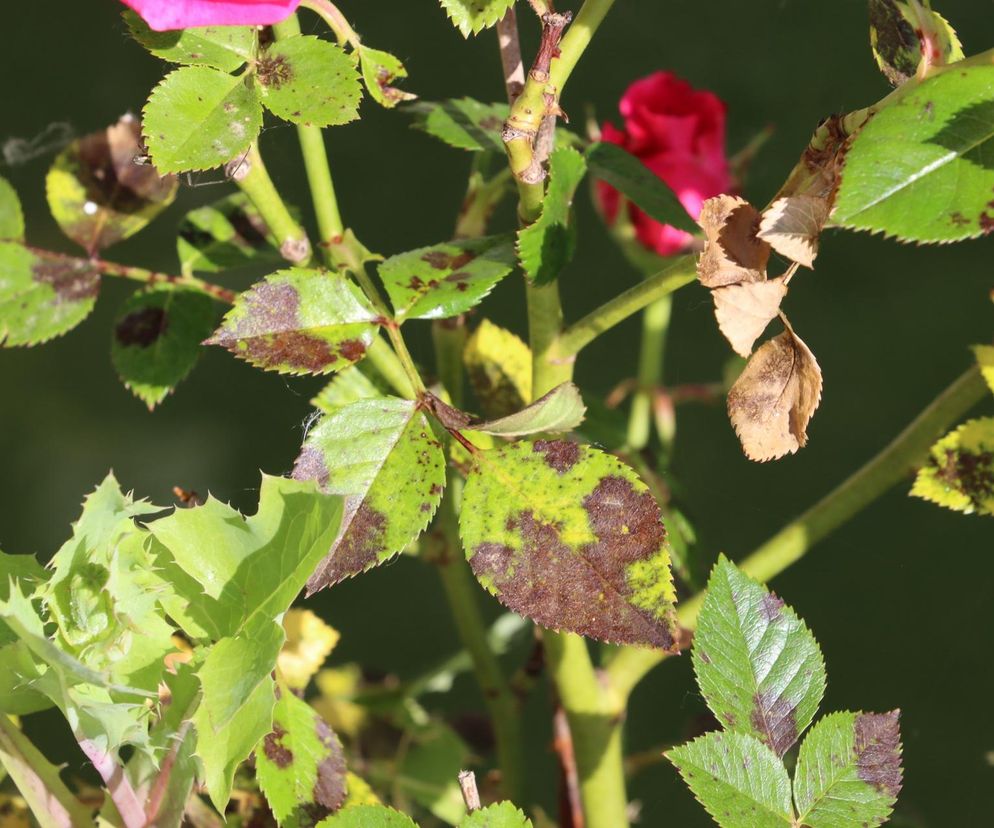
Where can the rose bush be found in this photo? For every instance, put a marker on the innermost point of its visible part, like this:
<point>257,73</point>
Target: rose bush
<point>678,132</point>
<point>162,15</point>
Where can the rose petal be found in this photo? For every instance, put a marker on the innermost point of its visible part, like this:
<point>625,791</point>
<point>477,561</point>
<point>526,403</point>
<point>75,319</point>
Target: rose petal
<point>163,15</point>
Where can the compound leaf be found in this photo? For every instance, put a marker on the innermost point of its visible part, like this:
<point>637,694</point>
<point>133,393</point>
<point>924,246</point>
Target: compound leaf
<point>223,47</point>
<point>309,81</point>
<point>224,235</point>
<point>562,409</point>
<point>11,214</point>
<point>199,118</point>
<point>462,123</point>
<point>299,322</point>
<point>446,279</point>
<point>368,816</point>
<point>959,472</point>
<point>379,71</point>
<point>157,340</point>
<point>473,16</point>
<point>570,537</point>
<point>500,369</point>
<point>382,457</point>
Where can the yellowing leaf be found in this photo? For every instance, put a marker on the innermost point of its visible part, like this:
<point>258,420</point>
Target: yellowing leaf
<point>338,686</point>
<point>743,311</point>
<point>500,369</point>
<point>792,226</point>
<point>773,400</point>
<point>959,473</point>
<point>309,641</point>
<point>732,252</point>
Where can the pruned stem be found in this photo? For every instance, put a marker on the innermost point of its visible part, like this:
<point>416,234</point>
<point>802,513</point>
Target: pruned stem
<point>470,793</point>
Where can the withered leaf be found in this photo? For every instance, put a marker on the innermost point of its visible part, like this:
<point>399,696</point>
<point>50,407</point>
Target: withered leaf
<point>743,311</point>
<point>773,400</point>
<point>732,251</point>
<point>792,226</point>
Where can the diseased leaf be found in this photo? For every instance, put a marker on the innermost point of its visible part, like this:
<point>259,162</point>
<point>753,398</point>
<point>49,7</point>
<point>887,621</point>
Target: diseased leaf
<point>368,816</point>
<point>985,359</point>
<point>546,246</point>
<point>224,235</point>
<point>300,765</point>
<point>732,251</point>
<point>429,770</point>
<point>744,310</point>
<point>309,81</point>
<point>382,457</point>
<point>774,398</point>
<point>199,118</point>
<point>99,195</point>
<point>309,641</point>
<point>570,537</point>
<point>379,71</point>
<point>500,369</point>
<point>473,16</point>
<point>757,664</point>
<point>462,123</point>
<point>849,771</point>
<point>562,409</point>
<point>223,47</point>
<point>959,473</point>
<point>903,31</point>
<point>351,385</point>
<point>157,340</point>
<point>640,185</point>
<point>42,297</point>
<point>738,780</point>
<point>499,815</point>
<point>793,225</point>
<point>11,214</point>
<point>446,279</point>
<point>299,322</point>
<point>921,169</point>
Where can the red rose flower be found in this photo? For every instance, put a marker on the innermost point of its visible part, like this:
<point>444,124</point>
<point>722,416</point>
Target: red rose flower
<point>678,132</point>
<point>162,15</point>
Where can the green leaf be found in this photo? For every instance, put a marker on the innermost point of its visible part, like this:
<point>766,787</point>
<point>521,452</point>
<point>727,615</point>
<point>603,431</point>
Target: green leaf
<point>429,772</point>
<point>368,816</point>
<point>985,359</point>
<point>547,246</point>
<point>849,770</point>
<point>157,340</point>
<point>758,666</point>
<point>473,16</point>
<point>299,322</point>
<point>920,170</point>
<point>500,369</point>
<point>349,386</point>
<point>11,214</point>
<point>562,409</point>
<point>462,123</point>
<point>18,669</point>
<point>737,779</point>
<point>446,279</point>
<point>309,81</point>
<point>299,765</point>
<point>627,174</point>
<point>224,235</point>
<point>499,815</point>
<point>899,32</point>
<point>570,537</point>
<point>199,118</point>
<point>382,457</point>
<point>959,472</point>
<point>223,47</point>
<point>42,297</point>
<point>379,71</point>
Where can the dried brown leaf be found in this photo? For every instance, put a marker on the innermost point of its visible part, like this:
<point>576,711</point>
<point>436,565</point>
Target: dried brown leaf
<point>792,226</point>
<point>773,400</point>
<point>743,311</point>
<point>732,251</point>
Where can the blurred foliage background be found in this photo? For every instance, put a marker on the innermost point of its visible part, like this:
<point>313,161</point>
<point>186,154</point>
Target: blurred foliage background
<point>900,599</point>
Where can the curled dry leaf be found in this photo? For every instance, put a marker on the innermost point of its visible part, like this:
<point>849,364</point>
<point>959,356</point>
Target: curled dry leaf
<point>743,311</point>
<point>732,251</point>
<point>773,400</point>
<point>792,226</point>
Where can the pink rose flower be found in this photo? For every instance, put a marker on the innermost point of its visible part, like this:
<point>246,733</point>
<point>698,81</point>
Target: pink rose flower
<point>678,132</point>
<point>162,15</point>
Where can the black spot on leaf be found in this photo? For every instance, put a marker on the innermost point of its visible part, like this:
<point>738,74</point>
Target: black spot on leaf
<point>878,750</point>
<point>142,327</point>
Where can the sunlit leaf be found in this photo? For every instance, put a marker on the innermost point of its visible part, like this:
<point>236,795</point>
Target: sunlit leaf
<point>570,537</point>
<point>224,235</point>
<point>500,369</point>
<point>11,214</point>
<point>309,641</point>
<point>562,409</point>
<point>368,816</point>
<point>473,16</point>
<point>446,279</point>
<point>309,81</point>
<point>902,31</point>
<point>382,457</point>
<point>744,311</point>
<point>959,472</point>
<point>792,226</point>
<point>223,47</point>
<point>299,322</point>
<point>499,815</point>
<point>985,359</point>
<point>732,251</point>
<point>462,123</point>
<point>379,72</point>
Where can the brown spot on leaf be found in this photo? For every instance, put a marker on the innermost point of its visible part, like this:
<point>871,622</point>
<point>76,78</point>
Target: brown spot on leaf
<point>440,260</point>
<point>560,455</point>
<point>329,789</point>
<point>972,474</point>
<point>275,750</point>
<point>957,218</point>
<point>772,606</point>
<point>774,718</point>
<point>878,750</point>
<point>358,547</point>
<point>733,252</point>
<point>274,71</point>
<point>352,349</point>
<point>311,465</point>
<point>72,281</point>
<point>142,327</point>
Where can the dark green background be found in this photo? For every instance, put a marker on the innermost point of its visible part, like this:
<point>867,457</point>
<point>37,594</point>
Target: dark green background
<point>900,598</point>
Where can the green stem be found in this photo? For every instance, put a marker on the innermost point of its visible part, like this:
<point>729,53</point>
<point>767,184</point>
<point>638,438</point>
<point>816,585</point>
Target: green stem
<point>577,336</point>
<point>796,539</point>
<point>655,324</point>
<point>385,361</point>
<point>576,41</point>
<point>253,179</point>
<point>335,19</point>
